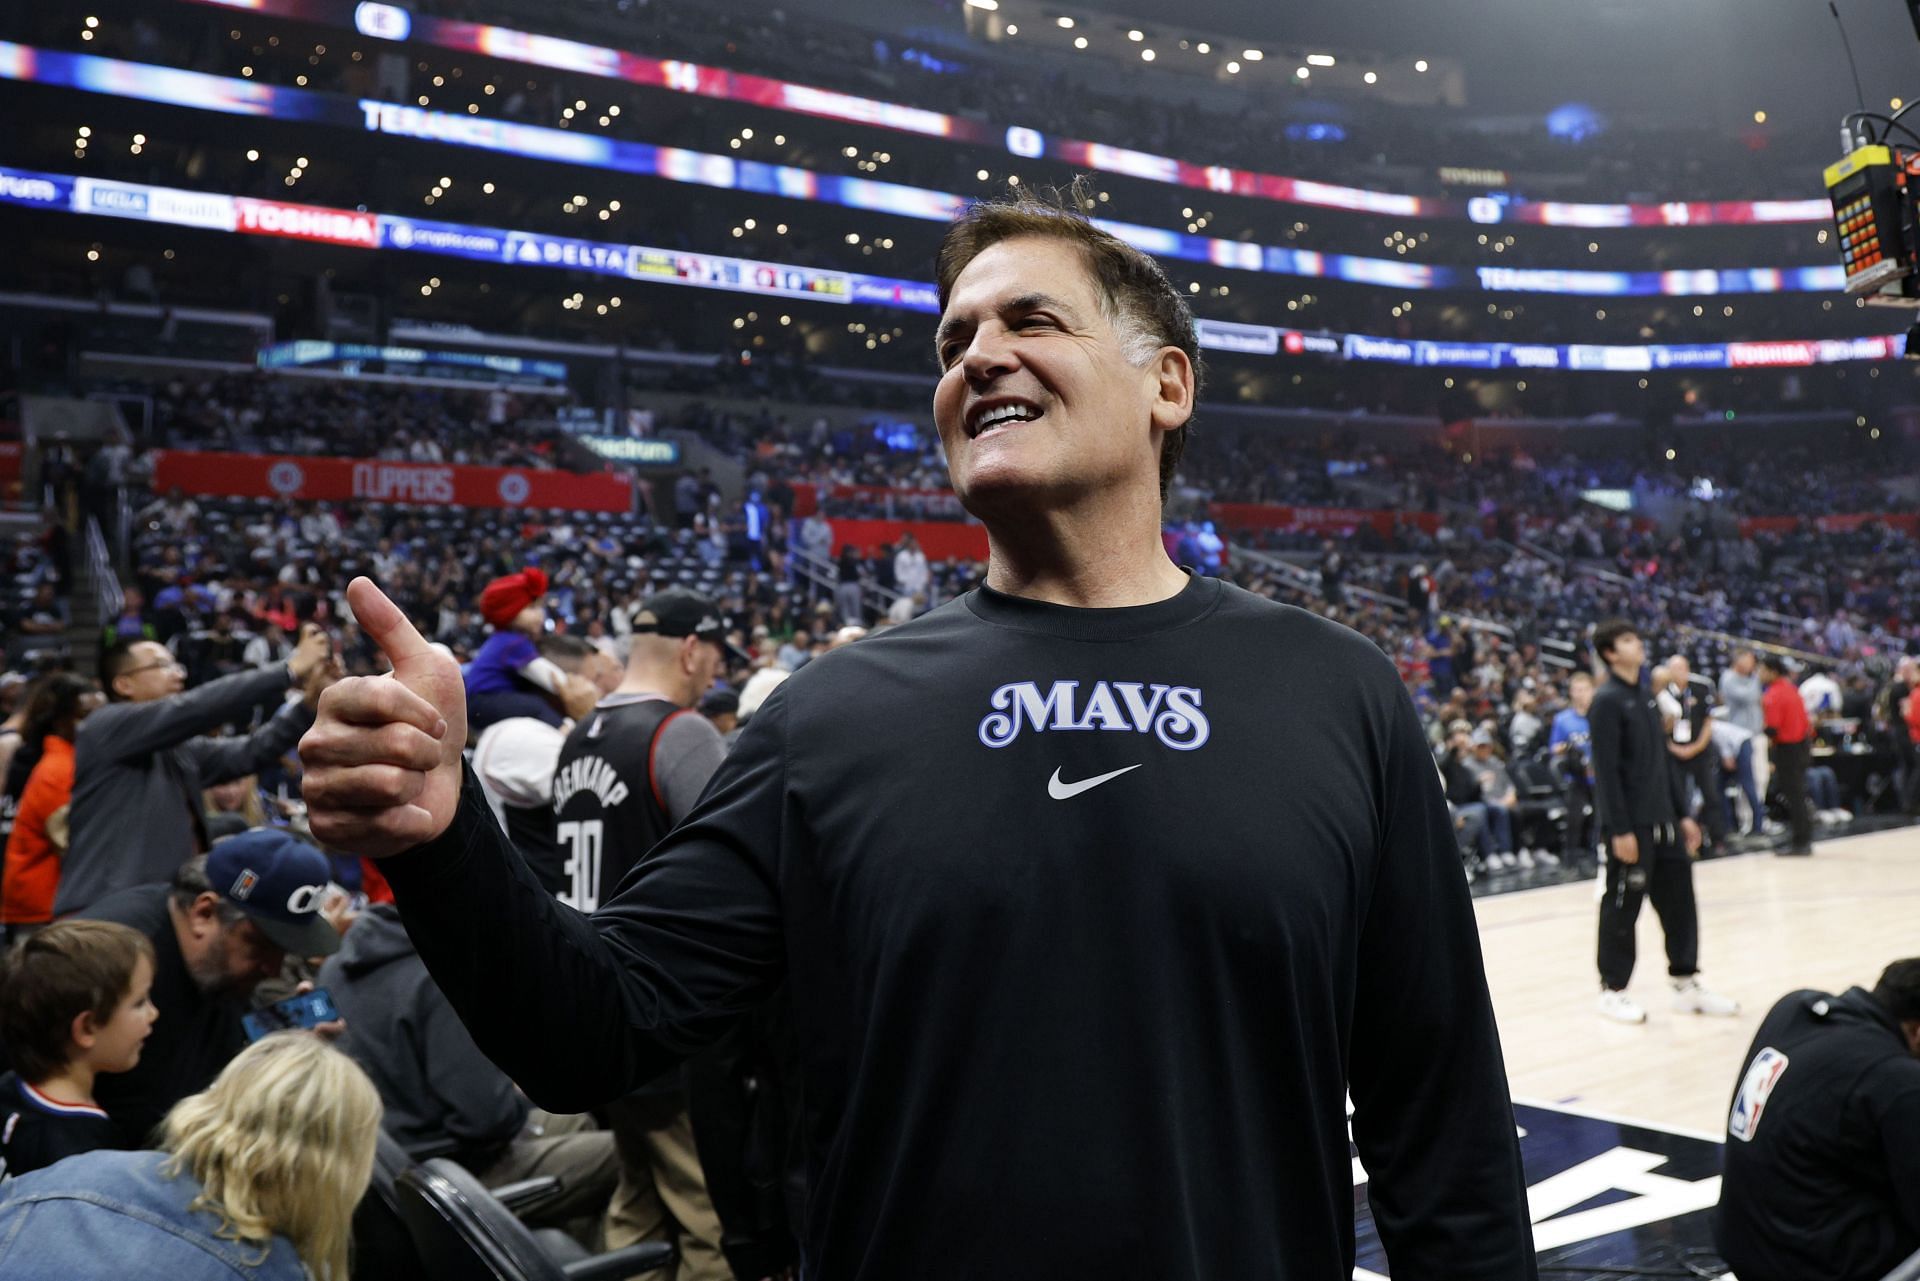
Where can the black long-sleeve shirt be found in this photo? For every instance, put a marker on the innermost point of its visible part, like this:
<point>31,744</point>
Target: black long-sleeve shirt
<point>1636,785</point>
<point>1091,918</point>
<point>1823,1145</point>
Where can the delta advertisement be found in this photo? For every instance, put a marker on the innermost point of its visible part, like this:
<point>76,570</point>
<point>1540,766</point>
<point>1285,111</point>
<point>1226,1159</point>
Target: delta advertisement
<point>304,478</point>
<point>361,230</point>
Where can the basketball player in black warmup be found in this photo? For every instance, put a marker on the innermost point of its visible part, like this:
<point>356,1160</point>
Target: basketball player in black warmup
<point>1096,890</point>
<point>1640,803</point>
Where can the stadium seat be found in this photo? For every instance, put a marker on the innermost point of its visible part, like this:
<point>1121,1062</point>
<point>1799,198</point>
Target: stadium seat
<point>465,1233</point>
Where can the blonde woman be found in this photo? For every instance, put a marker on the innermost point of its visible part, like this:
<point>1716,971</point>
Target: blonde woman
<point>258,1179</point>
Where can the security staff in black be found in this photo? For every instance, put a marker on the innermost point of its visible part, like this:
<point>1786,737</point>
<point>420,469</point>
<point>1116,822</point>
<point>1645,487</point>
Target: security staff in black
<point>1823,1140</point>
<point>1639,799</point>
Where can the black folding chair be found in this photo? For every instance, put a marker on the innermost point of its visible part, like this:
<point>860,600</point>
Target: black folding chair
<point>465,1233</point>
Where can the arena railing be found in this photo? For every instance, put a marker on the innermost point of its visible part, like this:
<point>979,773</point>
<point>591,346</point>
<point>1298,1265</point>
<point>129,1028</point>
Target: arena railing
<point>109,597</point>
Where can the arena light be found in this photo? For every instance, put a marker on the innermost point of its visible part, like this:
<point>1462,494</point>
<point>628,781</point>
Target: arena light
<point>1320,60</point>
<point>1065,23</point>
<point>1079,42</point>
<point>1371,77</point>
<point>1420,65</point>
<point>988,5</point>
<point>1136,35</point>
<point>1252,55</point>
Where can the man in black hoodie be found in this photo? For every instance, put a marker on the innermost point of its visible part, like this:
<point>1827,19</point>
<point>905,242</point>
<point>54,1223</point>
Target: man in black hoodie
<point>1823,1141</point>
<point>436,1084</point>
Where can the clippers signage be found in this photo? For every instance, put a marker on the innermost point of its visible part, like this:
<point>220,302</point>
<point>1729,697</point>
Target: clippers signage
<point>381,481</point>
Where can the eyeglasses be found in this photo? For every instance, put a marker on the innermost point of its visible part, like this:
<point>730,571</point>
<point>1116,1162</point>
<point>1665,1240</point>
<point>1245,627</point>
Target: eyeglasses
<point>170,665</point>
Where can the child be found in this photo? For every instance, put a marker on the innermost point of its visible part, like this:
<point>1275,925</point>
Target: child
<point>75,1001</point>
<point>507,677</point>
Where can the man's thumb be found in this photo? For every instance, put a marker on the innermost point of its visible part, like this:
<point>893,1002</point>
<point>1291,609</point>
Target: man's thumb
<point>382,620</point>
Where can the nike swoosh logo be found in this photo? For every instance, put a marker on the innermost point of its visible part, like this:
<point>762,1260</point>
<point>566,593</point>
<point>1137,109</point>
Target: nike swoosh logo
<point>1067,791</point>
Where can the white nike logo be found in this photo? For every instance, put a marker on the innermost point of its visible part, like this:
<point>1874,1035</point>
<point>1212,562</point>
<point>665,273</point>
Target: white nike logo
<point>1067,791</point>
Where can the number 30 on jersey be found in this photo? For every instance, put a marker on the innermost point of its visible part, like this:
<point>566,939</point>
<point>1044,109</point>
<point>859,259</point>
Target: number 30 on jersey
<point>582,842</point>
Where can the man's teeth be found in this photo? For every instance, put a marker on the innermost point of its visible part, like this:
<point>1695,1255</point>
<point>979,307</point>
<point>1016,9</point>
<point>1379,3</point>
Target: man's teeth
<point>1007,413</point>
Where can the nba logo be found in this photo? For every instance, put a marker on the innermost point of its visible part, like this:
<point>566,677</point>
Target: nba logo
<point>243,885</point>
<point>1751,1099</point>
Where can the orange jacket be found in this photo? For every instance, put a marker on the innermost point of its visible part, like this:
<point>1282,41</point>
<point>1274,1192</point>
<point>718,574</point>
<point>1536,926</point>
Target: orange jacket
<point>33,862</point>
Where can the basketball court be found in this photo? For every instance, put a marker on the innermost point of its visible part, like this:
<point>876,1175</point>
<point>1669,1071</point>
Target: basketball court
<point>1621,1126</point>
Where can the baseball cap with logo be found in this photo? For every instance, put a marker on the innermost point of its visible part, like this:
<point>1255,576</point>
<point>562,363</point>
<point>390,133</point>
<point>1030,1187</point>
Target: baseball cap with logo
<point>279,882</point>
<point>679,612</point>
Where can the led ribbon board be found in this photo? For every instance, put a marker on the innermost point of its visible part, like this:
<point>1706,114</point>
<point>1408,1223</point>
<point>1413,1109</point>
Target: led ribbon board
<point>396,23</point>
<point>245,215</point>
<point>199,91</point>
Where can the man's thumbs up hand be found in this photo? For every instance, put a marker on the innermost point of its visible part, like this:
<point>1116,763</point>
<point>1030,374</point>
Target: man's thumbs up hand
<point>382,761</point>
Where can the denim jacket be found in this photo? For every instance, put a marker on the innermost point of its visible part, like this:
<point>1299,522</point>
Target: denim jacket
<point>92,1215</point>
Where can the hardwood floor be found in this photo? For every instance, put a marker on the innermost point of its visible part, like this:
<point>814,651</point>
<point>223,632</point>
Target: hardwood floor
<point>1768,926</point>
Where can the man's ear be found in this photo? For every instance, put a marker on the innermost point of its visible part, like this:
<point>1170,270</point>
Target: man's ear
<point>1173,380</point>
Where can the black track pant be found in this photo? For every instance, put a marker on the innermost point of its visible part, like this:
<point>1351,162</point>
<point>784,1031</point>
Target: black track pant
<point>1790,761</point>
<point>1670,885</point>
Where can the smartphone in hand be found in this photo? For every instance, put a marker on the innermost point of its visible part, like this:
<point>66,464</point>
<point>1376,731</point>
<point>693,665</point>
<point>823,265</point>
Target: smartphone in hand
<point>308,1009</point>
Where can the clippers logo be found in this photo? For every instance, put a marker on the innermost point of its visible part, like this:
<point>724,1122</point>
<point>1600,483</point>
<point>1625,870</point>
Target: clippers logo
<point>382,21</point>
<point>1750,1102</point>
<point>1171,713</point>
<point>286,478</point>
<point>306,899</point>
<point>514,489</point>
<point>244,885</point>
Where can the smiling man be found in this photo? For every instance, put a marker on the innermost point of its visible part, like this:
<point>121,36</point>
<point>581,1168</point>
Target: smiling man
<point>1096,890</point>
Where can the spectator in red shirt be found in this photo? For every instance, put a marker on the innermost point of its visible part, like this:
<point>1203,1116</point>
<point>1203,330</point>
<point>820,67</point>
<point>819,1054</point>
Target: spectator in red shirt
<point>32,864</point>
<point>1789,732</point>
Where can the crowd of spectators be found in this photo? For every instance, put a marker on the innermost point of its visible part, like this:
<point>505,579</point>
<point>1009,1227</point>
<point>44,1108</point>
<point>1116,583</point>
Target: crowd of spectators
<point>267,414</point>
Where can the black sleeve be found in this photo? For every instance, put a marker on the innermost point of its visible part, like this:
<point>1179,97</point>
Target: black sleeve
<point>1432,1118</point>
<point>1893,1104</point>
<point>581,1010</point>
<point>1609,787</point>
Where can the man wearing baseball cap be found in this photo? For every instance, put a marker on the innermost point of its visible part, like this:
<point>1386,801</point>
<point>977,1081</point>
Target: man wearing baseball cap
<point>227,921</point>
<point>629,772</point>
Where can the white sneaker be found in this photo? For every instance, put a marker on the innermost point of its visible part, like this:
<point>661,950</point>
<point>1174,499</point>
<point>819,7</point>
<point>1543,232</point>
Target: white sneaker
<point>1546,858</point>
<point>1690,997</point>
<point>1600,881</point>
<point>1845,816</point>
<point>1620,1007</point>
<point>1526,859</point>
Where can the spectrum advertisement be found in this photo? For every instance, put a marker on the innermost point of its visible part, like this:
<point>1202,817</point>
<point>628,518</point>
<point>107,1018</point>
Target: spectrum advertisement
<point>349,228</point>
<point>394,22</point>
<point>159,84</point>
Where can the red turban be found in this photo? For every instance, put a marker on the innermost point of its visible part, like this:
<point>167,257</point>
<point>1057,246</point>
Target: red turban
<point>504,598</point>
